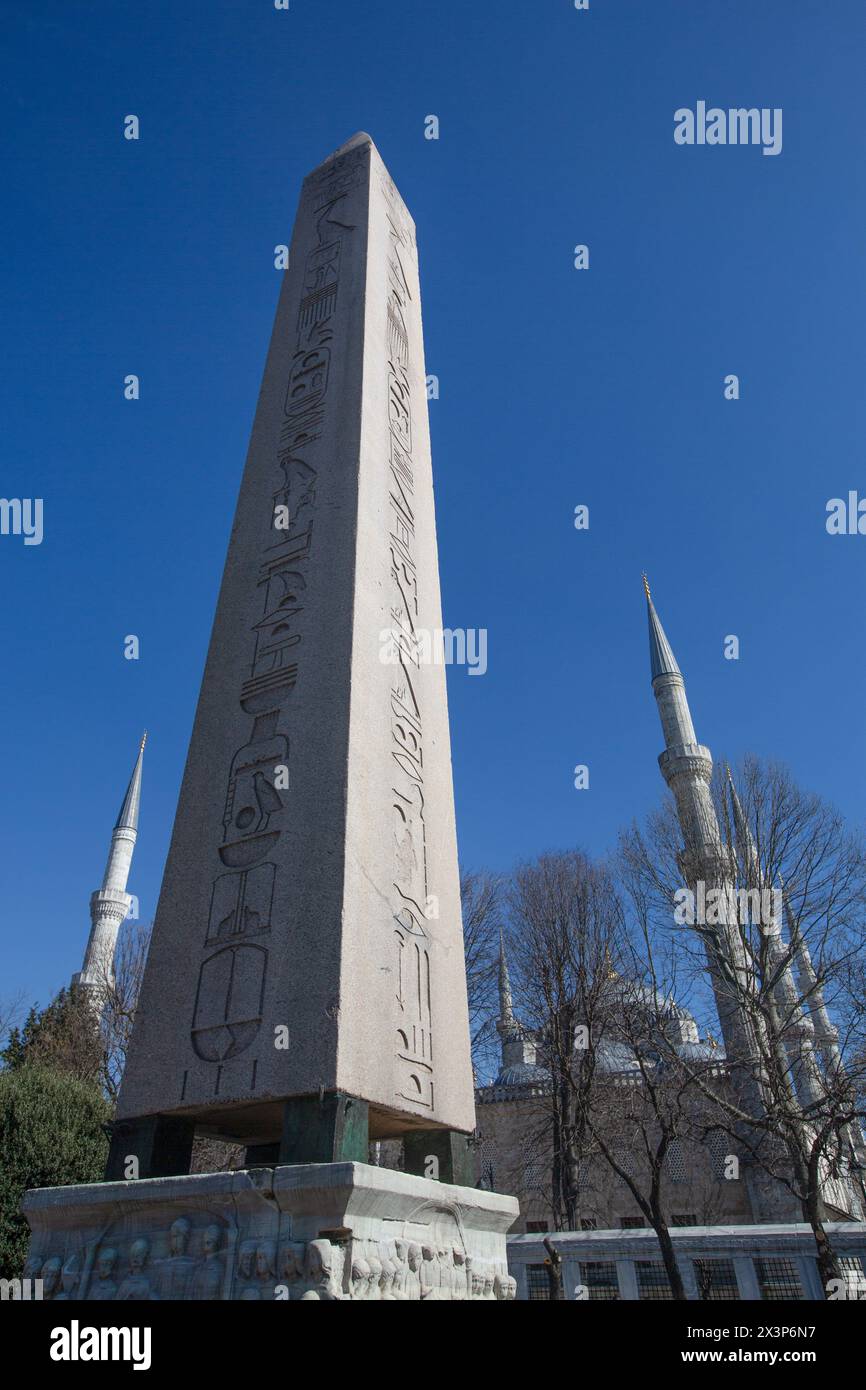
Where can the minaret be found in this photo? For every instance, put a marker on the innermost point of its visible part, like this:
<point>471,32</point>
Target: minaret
<point>826,1036</point>
<point>518,1043</point>
<point>110,904</point>
<point>798,1032</point>
<point>506,1007</point>
<point>826,1039</point>
<point>804,1022</point>
<point>687,767</point>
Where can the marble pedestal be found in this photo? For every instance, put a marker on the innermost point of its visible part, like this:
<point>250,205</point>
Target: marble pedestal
<point>318,1231</point>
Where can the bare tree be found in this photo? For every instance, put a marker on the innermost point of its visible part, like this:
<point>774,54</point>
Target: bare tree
<point>793,903</point>
<point>481,903</point>
<point>565,922</point>
<point>118,989</point>
<point>646,1120</point>
<point>553,1265</point>
<point>608,1031</point>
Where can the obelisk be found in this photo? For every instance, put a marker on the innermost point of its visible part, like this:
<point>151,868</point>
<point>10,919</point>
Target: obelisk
<point>305,983</point>
<point>305,988</point>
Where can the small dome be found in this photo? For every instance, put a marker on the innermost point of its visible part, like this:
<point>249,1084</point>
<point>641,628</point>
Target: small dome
<point>522,1074</point>
<point>615,1057</point>
<point>701,1052</point>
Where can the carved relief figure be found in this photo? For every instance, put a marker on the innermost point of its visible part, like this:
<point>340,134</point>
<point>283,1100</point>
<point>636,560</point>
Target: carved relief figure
<point>401,1258</point>
<point>429,1272</point>
<point>389,1270</point>
<point>292,1267</point>
<point>360,1277</point>
<point>459,1288</point>
<point>374,1289</point>
<point>174,1272</point>
<point>446,1273</point>
<point>266,1256</point>
<point>207,1280</point>
<point>50,1276</point>
<point>136,1285</point>
<point>69,1278</point>
<point>412,1281</point>
<point>246,1259</point>
<point>324,1270</point>
<point>103,1287</point>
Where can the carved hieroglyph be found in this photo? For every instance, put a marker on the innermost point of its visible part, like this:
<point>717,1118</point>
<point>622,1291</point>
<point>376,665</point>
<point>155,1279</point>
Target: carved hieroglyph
<point>311,888</point>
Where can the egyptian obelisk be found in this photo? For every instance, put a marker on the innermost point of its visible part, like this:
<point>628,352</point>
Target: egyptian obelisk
<point>305,988</point>
<point>307,941</point>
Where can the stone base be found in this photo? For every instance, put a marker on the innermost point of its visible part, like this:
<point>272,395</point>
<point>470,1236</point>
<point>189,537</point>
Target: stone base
<point>316,1231</point>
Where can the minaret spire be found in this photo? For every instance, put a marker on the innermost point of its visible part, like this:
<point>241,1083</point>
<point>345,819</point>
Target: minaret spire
<point>667,681</point>
<point>127,817</point>
<point>827,1037</point>
<point>110,904</point>
<point>506,1008</point>
<point>518,1043</point>
<point>687,767</point>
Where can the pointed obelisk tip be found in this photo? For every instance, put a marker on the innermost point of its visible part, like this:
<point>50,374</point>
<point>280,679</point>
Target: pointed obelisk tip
<point>357,141</point>
<point>359,138</point>
<point>646,588</point>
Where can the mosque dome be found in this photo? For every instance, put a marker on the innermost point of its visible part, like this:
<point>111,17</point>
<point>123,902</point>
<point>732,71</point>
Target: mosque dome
<point>522,1074</point>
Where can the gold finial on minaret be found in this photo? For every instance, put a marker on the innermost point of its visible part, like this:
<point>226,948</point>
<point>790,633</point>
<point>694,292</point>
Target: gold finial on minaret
<point>143,742</point>
<point>646,586</point>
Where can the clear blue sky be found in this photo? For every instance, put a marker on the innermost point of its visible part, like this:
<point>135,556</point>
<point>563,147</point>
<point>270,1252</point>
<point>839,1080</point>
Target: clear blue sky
<point>558,387</point>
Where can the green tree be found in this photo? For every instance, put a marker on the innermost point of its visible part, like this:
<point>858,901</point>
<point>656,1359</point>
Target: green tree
<point>50,1135</point>
<point>15,1051</point>
<point>64,1037</point>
